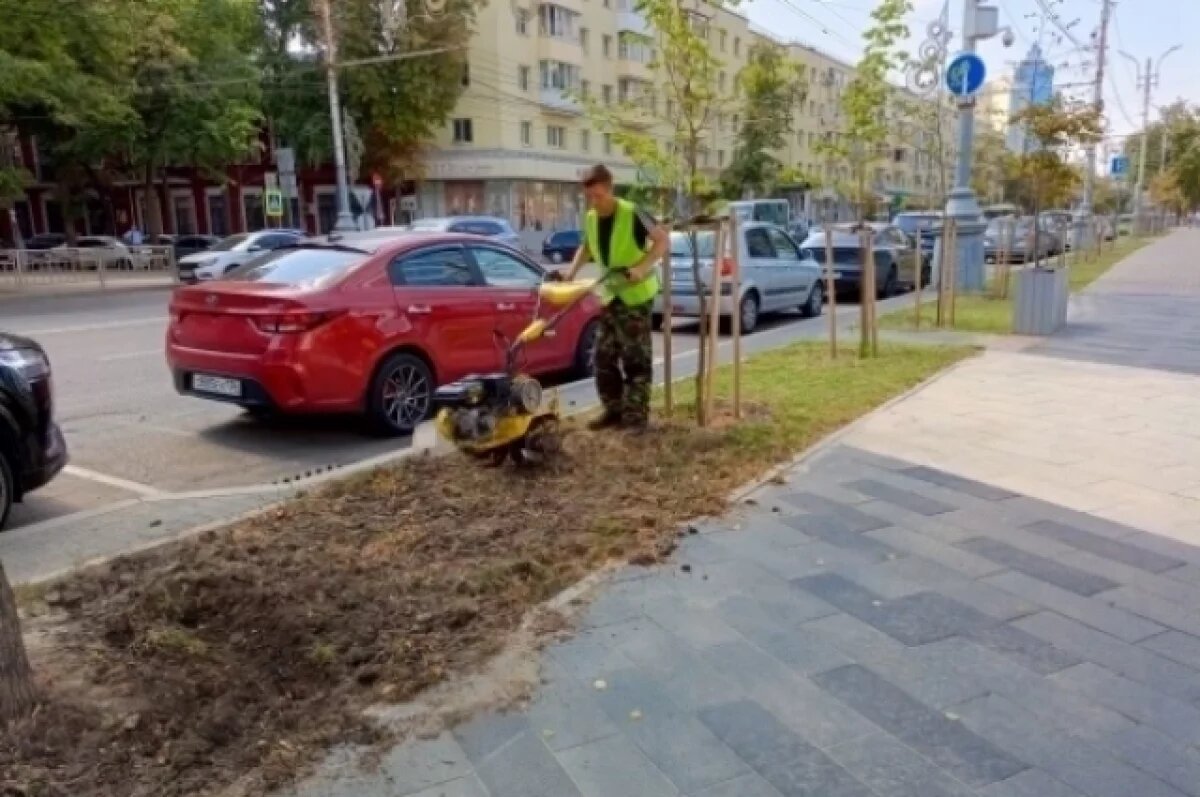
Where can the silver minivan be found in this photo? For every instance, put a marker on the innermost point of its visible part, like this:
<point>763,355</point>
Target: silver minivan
<point>775,276</point>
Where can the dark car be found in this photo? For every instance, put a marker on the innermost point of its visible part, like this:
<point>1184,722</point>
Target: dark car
<point>185,245</point>
<point>559,247</point>
<point>895,258</point>
<point>923,223</point>
<point>32,450</point>
<point>1016,237</point>
<point>46,240</point>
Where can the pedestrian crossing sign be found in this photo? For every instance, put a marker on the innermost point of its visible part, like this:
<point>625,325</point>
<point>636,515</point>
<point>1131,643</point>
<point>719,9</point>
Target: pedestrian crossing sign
<point>274,201</point>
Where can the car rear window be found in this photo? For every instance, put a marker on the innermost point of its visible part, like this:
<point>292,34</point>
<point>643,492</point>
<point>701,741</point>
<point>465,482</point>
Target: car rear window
<point>299,267</point>
<point>681,247</point>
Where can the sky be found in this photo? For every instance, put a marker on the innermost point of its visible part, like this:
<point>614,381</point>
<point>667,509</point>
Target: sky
<point>1142,28</point>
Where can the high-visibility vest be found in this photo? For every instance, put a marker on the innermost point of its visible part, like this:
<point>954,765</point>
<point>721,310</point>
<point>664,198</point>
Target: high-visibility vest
<point>624,253</point>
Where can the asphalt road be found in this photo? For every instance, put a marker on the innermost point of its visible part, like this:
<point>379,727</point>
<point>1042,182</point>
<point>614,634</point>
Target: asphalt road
<point>131,435</point>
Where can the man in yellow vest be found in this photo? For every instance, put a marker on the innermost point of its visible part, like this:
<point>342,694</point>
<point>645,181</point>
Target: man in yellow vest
<point>618,237</point>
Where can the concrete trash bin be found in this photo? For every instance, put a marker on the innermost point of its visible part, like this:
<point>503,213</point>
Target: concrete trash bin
<point>1040,299</point>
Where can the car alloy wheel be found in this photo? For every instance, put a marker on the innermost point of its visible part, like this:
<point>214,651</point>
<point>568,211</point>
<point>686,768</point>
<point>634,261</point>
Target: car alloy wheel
<point>749,313</point>
<point>815,300</point>
<point>406,396</point>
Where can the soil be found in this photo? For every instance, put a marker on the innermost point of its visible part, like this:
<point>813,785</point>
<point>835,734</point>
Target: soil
<point>239,656</point>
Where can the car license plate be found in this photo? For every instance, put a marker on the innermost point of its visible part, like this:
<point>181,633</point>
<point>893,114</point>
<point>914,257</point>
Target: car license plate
<point>218,385</point>
<point>677,308</point>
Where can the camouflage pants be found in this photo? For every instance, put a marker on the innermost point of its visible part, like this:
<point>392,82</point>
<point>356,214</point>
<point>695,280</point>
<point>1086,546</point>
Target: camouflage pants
<point>625,360</point>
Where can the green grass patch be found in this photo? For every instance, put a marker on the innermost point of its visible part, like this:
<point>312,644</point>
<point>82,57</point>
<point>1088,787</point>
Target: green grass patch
<point>990,315</point>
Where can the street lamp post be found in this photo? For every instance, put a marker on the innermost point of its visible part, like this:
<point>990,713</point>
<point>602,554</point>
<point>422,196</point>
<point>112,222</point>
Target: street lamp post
<point>979,22</point>
<point>1146,80</point>
<point>345,221</point>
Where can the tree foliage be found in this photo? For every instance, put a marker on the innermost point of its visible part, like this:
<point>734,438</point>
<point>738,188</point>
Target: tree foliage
<point>772,86</point>
<point>1179,125</point>
<point>1041,177</point>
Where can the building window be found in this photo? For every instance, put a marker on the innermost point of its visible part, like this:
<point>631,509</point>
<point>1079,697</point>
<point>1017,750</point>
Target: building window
<point>632,47</point>
<point>720,122</point>
<point>559,75</point>
<point>607,143</point>
<point>720,157</point>
<point>523,78</point>
<point>556,136</point>
<point>670,108</point>
<point>721,81</point>
<point>722,35</point>
<point>583,39</point>
<point>736,125</point>
<point>737,46</point>
<point>527,133</point>
<point>463,134</point>
<point>607,93</point>
<point>466,74</point>
<point>557,21</point>
<point>585,140</point>
<point>606,45</point>
<point>522,22</point>
<point>585,88</point>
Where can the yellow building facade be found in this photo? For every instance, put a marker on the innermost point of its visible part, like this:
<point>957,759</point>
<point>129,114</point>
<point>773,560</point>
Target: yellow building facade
<point>519,138</point>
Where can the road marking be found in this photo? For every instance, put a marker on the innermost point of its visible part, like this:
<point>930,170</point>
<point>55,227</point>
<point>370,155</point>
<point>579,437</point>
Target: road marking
<point>129,355</point>
<point>133,322</point>
<point>114,481</point>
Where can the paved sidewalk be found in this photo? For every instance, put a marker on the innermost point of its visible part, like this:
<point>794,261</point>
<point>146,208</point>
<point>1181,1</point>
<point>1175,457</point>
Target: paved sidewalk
<point>955,612</point>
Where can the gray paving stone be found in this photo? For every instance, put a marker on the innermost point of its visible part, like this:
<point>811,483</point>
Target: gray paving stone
<point>1168,547</point>
<point>990,600</point>
<point>1090,771</point>
<point>836,532</point>
<point>882,579</point>
<point>839,591</point>
<point>565,713</point>
<point>694,626</point>
<point>939,527</point>
<point>996,525</point>
<point>755,618</point>
<point>708,585</point>
<point>1030,783</point>
<point>946,743</point>
<point>1134,662</point>
<point>1116,550</point>
<point>960,484</point>
<point>783,758</point>
<point>1172,615</point>
<point>1189,574</point>
<point>783,639</point>
<point>926,617</point>
<point>910,500</point>
<point>853,518</point>
<point>624,692</point>
<point>805,560</point>
<point>1089,611</point>
<point>1177,646</point>
<point>685,751</point>
<point>751,785</point>
<point>614,766</point>
<point>917,544</point>
<point>469,786</point>
<point>854,454</point>
<point>422,763</point>
<point>796,701</point>
<point>1161,584</point>
<point>590,655</point>
<point>486,733</point>
<point>1039,567</point>
<point>523,767</point>
<point>1156,755</point>
<point>893,769</point>
<point>1032,652</point>
<point>1175,718</point>
<point>1034,510</point>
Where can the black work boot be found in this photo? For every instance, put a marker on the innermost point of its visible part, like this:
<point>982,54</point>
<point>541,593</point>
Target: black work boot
<point>609,420</point>
<point>636,424</point>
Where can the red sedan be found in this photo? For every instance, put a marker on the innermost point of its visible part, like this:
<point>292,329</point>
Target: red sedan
<point>365,323</point>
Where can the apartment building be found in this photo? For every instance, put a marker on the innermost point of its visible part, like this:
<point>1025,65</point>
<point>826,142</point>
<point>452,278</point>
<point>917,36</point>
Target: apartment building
<point>519,138</point>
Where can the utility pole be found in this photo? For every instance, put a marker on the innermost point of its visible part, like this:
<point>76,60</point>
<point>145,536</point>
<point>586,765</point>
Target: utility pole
<point>345,221</point>
<point>1084,214</point>
<point>1147,79</point>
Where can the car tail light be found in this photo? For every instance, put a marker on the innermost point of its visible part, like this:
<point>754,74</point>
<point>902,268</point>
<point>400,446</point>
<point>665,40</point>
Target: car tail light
<point>293,321</point>
<point>727,266</point>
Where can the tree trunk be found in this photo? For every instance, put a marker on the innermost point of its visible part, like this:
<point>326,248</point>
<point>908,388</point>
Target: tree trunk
<point>153,220</point>
<point>164,197</point>
<point>17,695</point>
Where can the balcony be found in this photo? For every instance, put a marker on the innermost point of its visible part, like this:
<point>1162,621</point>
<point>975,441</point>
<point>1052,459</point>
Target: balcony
<point>559,101</point>
<point>629,19</point>
<point>629,68</point>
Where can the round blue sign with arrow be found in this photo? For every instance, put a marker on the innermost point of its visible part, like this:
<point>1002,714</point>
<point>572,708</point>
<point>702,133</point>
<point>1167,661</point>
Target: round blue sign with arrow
<point>965,74</point>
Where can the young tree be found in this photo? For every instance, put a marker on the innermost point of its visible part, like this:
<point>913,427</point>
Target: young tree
<point>667,148</point>
<point>772,86</point>
<point>867,131</point>
<point>1043,178</point>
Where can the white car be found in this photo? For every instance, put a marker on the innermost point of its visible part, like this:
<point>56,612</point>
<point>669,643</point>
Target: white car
<point>775,276</point>
<point>234,251</point>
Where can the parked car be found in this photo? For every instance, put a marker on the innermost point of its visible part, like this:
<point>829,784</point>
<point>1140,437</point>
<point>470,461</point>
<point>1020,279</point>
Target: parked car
<point>234,251</point>
<point>1061,224</point>
<point>186,245</point>
<point>775,276</point>
<point>922,223</point>
<point>488,226</point>
<point>1125,224</point>
<point>895,258</point>
<point>46,240</point>
<point>366,323</point>
<point>798,229</point>
<point>109,252</point>
<point>32,449</point>
<point>1020,235</point>
<point>559,247</point>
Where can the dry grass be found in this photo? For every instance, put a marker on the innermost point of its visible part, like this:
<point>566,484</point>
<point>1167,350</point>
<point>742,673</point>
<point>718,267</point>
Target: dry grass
<point>241,654</point>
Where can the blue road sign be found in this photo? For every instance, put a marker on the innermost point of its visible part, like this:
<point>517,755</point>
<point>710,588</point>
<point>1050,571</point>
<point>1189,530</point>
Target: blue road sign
<point>1119,165</point>
<point>965,74</point>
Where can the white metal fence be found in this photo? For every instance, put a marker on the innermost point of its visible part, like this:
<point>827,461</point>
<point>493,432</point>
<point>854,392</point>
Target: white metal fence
<point>32,269</point>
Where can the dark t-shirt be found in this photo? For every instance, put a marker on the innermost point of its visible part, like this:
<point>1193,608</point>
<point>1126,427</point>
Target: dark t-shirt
<point>642,224</point>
